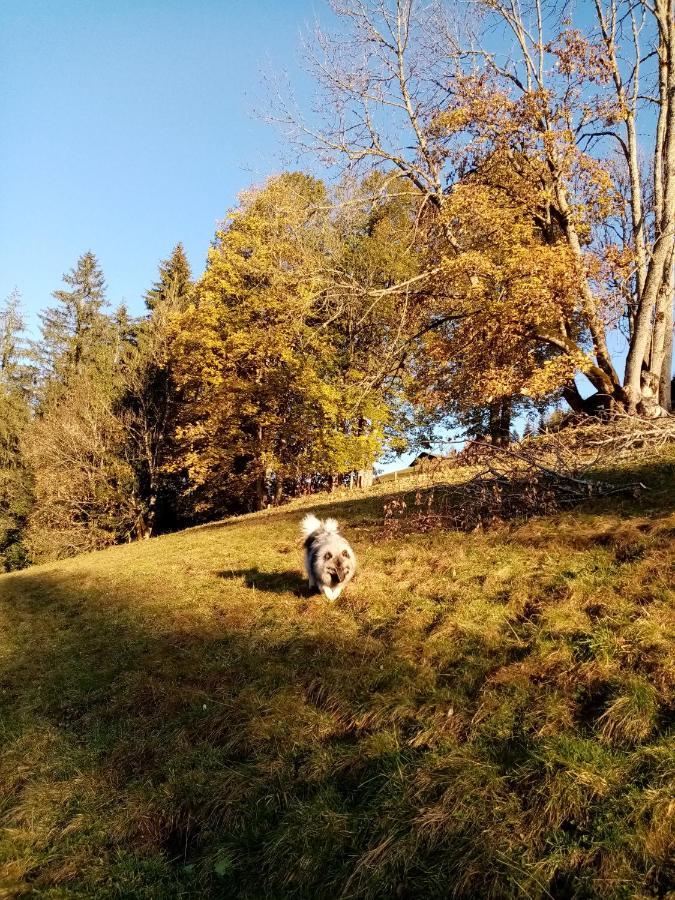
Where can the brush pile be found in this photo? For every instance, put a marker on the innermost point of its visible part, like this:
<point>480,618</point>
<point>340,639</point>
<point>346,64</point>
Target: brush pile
<point>622,437</point>
<point>535,477</point>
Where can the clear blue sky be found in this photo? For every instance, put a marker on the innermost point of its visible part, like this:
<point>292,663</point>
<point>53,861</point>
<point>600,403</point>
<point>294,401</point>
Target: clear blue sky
<point>129,125</point>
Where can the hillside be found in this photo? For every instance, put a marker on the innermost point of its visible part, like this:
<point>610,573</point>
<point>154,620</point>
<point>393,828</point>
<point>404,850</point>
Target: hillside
<point>480,715</point>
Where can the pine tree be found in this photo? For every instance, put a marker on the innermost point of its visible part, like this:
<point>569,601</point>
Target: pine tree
<point>85,486</point>
<point>76,332</point>
<point>174,283</point>
<point>151,396</point>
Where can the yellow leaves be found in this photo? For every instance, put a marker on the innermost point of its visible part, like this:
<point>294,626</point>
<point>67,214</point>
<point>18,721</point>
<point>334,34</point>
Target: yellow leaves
<point>270,354</point>
<point>509,287</point>
<point>553,373</point>
<point>453,119</point>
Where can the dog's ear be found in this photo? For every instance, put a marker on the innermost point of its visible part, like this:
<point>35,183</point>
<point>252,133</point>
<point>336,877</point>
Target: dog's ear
<point>331,526</point>
<point>309,525</point>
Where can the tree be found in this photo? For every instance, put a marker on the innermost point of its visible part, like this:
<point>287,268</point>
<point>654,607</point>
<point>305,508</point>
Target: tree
<point>243,347</point>
<point>174,283</point>
<point>16,495</point>
<point>85,486</point>
<point>151,397</point>
<point>76,333</point>
<point>271,354</point>
<point>589,89</point>
<point>404,92</point>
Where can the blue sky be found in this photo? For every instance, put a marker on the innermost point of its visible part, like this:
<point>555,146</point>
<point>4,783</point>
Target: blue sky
<point>129,125</point>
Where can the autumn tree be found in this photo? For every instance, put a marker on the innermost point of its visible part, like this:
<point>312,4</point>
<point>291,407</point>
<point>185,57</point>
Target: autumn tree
<point>85,486</point>
<point>373,299</point>
<point>273,352</point>
<point>593,91</point>
<point>404,91</point>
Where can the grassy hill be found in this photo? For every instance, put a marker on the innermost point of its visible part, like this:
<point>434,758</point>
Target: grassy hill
<point>480,715</point>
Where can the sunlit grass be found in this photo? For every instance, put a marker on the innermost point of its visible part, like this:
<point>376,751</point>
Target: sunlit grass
<point>483,715</point>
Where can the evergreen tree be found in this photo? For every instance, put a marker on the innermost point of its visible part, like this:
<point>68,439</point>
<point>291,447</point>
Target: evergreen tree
<point>151,397</point>
<point>16,495</point>
<point>75,333</point>
<point>85,486</point>
<point>174,283</point>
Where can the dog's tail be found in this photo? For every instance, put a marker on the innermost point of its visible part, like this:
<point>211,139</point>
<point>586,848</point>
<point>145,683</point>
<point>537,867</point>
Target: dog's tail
<point>310,524</point>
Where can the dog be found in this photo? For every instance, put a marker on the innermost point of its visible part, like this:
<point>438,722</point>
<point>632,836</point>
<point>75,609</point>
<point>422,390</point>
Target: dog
<point>330,562</point>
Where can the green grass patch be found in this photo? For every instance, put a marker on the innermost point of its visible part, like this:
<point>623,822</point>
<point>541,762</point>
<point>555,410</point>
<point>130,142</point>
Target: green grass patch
<point>482,715</point>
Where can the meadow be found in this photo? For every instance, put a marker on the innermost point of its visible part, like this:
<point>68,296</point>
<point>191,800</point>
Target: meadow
<point>480,715</point>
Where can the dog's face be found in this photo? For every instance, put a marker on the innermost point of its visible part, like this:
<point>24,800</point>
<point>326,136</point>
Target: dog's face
<point>337,562</point>
<point>334,561</point>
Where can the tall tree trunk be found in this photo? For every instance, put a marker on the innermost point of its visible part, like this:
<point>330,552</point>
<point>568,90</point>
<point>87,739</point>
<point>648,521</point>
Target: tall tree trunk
<point>662,335</point>
<point>260,493</point>
<point>494,420</point>
<point>151,515</point>
<point>608,380</point>
<point>651,312</point>
<point>278,489</point>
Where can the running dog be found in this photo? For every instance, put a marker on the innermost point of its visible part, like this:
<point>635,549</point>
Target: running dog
<point>330,562</point>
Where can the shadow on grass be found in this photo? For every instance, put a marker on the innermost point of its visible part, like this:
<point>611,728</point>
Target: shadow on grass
<point>171,757</point>
<point>254,754</point>
<point>271,582</point>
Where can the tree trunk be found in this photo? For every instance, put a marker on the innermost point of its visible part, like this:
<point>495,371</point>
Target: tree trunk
<point>364,478</point>
<point>643,389</point>
<point>500,421</point>
<point>666,383</point>
<point>151,515</point>
<point>661,348</point>
<point>260,493</point>
<point>605,368</point>
<point>505,421</point>
<point>666,371</point>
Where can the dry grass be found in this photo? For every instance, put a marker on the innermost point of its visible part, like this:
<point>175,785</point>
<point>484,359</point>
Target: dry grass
<point>483,715</point>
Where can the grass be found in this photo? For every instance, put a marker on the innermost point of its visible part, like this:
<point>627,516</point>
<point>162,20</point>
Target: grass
<point>483,715</point>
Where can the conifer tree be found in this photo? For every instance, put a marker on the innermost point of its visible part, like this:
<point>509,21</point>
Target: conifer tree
<point>85,486</point>
<point>75,332</point>
<point>174,282</point>
<point>15,477</point>
<point>151,396</point>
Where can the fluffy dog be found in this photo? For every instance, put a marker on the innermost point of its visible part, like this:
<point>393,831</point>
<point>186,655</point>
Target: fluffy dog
<point>330,562</point>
